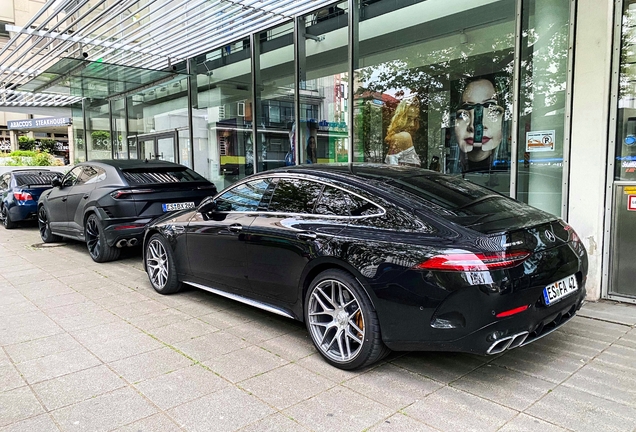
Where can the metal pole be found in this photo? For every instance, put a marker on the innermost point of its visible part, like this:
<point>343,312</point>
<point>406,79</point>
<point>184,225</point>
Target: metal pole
<point>353,65</point>
<point>298,75</point>
<point>255,53</point>
<point>514,144</point>
<point>192,93</point>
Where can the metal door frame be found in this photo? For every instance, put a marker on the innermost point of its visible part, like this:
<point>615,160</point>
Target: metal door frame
<point>155,137</point>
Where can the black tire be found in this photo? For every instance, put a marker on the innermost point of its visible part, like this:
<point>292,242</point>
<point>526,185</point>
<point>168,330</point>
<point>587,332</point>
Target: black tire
<point>96,243</point>
<point>355,327</point>
<point>6,219</point>
<point>44,225</point>
<point>160,266</point>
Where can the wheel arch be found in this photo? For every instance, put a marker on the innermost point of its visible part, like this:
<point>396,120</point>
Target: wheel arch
<point>317,266</point>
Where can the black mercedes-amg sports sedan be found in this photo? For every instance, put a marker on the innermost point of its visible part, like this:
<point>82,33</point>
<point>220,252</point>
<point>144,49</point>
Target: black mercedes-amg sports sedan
<point>107,203</point>
<point>376,258</point>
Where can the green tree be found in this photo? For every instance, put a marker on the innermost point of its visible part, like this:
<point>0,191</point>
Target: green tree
<point>26,143</point>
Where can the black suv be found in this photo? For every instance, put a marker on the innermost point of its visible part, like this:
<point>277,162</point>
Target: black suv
<point>107,203</point>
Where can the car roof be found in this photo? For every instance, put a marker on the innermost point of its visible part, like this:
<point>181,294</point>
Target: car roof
<point>133,163</point>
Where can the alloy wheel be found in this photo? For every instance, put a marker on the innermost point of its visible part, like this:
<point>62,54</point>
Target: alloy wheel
<point>157,263</point>
<point>92,237</point>
<point>336,321</point>
<point>43,223</point>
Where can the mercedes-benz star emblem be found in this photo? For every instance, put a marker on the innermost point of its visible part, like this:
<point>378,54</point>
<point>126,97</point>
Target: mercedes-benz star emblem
<point>550,236</point>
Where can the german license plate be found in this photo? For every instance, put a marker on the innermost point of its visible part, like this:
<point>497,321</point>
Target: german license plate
<point>559,289</point>
<point>177,206</point>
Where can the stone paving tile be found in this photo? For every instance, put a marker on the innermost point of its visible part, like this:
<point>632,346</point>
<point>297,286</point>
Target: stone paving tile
<point>105,332</point>
<point>18,404</point>
<point>154,423</point>
<point>449,409</point>
<point>628,340</point>
<point>41,423</point>
<point>442,367</point>
<point>275,423</point>
<point>117,349</point>
<point>540,362</point>
<point>36,329</point>
<point>137,309</point>
<point>401,422</point>
<point>619,356</point>
<point>227,318</point>
<point>60,300</point>
<point>105,412</point>
<point>610,311</point>
<point>56,365</point>
<point>291,346</point>
<point>10,378</point>
<point>393,386</point>
<point>182,330</point>
<point>41,347</point>
<point>317,364</point>
<point>578,410</point>
<point>11,298</point>
<point>261,330</point>
<point>122,299</point>
<point>210,345</point>
<point>150,364</point>
<point>86,320</point>
<point>225,410</point>
<point>594,329</point>
<point>506,387</point>
<point>18,308</point>
<point>158,319</point>
<point>338,409</point>
<point>39,291</point>
<point>4,358</point>
<point>526,423</point>
<point>34,275</point>
<point>181,386</point>
<point>76,387</point>
<point>610,381</point>
<point>286,386</point>
<point>245,363</point>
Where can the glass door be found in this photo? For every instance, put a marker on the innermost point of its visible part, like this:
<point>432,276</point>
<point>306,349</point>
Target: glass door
<point>157,146</point>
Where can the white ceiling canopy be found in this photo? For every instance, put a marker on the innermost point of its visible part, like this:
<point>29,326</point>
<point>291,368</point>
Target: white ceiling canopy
<point>151,34</point>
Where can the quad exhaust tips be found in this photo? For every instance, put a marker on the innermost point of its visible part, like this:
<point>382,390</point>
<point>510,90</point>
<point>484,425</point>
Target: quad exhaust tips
<point>126,243</point>
<point>508,343</point>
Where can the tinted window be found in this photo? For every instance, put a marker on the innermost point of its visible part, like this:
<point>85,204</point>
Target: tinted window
<point>295,196</point>
<point>244,197</point>
<point>91,174</point>
<point>361,207</point>
<point>42,178</point>
<point>333,202</point>
<point>149,175</point>
<point>71,176</point>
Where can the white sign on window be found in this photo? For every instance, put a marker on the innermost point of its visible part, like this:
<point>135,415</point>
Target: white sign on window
<point>540,141</point>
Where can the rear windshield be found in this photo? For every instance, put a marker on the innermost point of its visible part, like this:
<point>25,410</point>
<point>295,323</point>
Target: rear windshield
<point>36,178</point>
<point>154,175</point>
<point>459,200</point>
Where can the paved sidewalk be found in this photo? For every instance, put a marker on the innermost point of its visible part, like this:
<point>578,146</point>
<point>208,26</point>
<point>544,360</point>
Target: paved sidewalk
<point>92,347</point>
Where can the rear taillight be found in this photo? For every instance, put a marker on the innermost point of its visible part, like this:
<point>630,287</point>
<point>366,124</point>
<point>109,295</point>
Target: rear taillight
<point>22,196</point>
<point>572,236</point>
<point>474,261</point>
<point>128,193</point>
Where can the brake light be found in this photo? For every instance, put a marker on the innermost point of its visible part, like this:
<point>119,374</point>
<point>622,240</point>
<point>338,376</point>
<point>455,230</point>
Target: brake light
<point>22,196</point>
<point>122,194</point>
<point>512,311</point>
<point>572,236</point>
<point>474,262</point>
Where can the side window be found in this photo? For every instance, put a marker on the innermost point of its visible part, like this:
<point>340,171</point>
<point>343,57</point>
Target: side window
<point>333,202</point>
<point>70,177</point>
<point>295,196</point>
<point>244,197</point>
<point>97,175</point>
<point>4,181</point>
<point>362,207</point>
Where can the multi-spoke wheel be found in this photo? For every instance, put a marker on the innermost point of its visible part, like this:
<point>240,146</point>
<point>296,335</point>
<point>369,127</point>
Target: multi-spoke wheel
<point>45,227</point>
<point>98,248</point>
<point>341,321</point>
<point>160,266</point>
<point>6,219</point>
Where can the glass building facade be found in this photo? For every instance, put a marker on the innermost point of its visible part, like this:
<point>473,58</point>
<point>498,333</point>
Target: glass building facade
<point>474,88</point>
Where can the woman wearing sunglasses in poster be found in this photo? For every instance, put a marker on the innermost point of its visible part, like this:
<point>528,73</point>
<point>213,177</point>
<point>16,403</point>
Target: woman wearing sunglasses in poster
<point>479,124</point>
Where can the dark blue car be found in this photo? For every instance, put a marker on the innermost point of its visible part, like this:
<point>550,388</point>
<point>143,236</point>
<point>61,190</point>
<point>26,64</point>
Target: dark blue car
<point>20,191</point>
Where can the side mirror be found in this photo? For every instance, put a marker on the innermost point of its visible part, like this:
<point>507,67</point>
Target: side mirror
<point>208,207</point>
<point>56,182</point>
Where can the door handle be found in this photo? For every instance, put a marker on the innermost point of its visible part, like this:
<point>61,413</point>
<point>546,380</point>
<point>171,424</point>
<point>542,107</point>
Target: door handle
<point>64,199</point>
<point>235,228</point>
<point>306,236</point>
<point>86,196</point>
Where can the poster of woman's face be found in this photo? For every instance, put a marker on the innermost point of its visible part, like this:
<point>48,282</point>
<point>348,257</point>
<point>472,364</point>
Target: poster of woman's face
<point>479,117</point>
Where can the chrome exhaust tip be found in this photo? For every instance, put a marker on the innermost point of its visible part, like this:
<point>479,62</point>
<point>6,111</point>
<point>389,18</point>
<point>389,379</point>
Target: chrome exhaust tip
<point>132,242</point>
<point>121,243</point>
<point>508,342</point>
